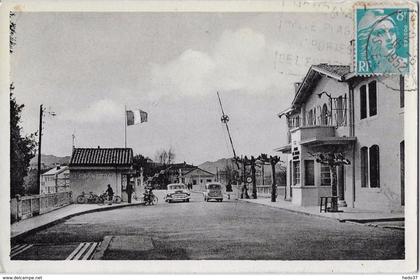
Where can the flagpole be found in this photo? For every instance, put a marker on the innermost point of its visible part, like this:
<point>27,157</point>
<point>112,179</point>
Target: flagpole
<point>125,126</point>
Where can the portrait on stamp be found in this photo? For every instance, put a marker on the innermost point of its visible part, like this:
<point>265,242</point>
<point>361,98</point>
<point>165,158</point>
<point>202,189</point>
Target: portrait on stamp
<point>382,41</point>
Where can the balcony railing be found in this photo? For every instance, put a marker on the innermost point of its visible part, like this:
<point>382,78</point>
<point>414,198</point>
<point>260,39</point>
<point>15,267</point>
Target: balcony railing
<point>336,118</point>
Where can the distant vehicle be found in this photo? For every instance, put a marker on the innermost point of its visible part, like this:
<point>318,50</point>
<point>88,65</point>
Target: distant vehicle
<point>177,192</point>
<point>213,191</point>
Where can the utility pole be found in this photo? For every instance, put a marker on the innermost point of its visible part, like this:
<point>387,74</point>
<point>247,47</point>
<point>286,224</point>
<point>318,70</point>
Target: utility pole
<point>38,185</point>
<point>41,114</point>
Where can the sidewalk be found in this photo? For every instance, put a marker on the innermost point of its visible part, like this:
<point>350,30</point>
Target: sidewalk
<point>348,215</point>
<point>48,219</point>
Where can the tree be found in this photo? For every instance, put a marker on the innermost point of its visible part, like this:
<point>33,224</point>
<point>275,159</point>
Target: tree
<point>272,160</point>
<point>22,148</point>
<point>139,162</point>
<point>332,159</point>
<point>165,157</point>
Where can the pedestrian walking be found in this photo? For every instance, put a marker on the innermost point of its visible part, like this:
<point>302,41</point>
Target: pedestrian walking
<point>129,191</point>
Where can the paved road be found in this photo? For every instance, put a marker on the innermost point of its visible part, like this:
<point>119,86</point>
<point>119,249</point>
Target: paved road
<point>212,230</point>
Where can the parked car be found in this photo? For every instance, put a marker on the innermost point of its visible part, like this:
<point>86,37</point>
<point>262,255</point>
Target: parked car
<point>213,191</point>
<point>177,192</point>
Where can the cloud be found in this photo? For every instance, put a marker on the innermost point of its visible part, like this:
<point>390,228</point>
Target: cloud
<point>240,60</point>
<point>103,111</point>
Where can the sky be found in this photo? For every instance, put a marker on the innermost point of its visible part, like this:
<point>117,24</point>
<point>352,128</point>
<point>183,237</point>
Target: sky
<point>86,67</point>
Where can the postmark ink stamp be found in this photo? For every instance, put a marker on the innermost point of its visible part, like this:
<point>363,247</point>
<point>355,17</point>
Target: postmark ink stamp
<point>382,41</point>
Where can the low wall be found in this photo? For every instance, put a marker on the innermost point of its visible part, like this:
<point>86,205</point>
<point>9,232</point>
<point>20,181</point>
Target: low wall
<point>23,207</point>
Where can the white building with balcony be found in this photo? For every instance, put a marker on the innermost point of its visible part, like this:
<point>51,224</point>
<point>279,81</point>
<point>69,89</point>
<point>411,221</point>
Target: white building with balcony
<point>361,117</point>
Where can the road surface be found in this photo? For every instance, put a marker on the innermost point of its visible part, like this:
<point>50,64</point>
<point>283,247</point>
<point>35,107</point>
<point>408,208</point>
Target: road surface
<point>209,230</point>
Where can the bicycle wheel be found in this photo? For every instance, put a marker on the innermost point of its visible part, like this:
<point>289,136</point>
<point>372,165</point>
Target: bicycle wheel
<point>81,199</point>
<point>154,200</point>
<point>116,199</point>
<point>96,199</point>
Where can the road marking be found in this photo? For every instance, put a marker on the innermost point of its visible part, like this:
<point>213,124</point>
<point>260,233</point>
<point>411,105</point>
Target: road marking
<point>75,251</point>
<point>19,249</point>
<point>89,253</point>
<point>16,247</point>
<point>84,251</point>
<point>81,251</point>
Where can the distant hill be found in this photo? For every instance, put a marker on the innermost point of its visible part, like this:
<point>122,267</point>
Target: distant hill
<point>49,161</point>
<point>212,166</point>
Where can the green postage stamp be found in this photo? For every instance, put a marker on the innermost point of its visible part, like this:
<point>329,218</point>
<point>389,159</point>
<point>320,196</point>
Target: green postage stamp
<point>382,41</point>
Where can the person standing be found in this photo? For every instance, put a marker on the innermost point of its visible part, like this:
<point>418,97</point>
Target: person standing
<point>129,191</point>
<point>110,193</point>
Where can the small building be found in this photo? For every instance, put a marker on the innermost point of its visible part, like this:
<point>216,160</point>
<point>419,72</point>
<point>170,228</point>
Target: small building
<point>198,177</point>
<point>92,169</point>
<point>55,180</point>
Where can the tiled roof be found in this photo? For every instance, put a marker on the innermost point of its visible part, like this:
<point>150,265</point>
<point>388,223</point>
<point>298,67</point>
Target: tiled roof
<point>102,157</point>
<point>339,70</point>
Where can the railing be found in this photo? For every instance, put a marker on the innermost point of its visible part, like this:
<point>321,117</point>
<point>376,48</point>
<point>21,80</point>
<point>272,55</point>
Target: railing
<point>262,190</point>
<point>23,207</point>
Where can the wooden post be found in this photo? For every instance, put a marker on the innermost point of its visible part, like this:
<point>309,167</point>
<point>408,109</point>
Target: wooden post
<point>254,181</point>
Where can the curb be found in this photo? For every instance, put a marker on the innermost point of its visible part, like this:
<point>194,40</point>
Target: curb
<point>362,222</point>
<point>59,220</point>
<point>291,210</point>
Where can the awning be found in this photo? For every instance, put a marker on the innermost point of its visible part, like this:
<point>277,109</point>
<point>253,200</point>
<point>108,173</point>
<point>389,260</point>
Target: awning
<point>325,141</point>
<point>287,149</point>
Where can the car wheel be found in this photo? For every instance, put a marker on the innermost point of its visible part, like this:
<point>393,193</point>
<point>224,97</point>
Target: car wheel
<point>188,200</point>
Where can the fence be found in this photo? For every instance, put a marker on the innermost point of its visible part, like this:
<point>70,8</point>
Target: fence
<point>262,190</point>
<point>23,207</point>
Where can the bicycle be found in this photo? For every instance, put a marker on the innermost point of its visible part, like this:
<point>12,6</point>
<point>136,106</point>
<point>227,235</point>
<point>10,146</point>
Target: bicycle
<point>104,199</point>
<point>150,198</point>
<point>91,198</point>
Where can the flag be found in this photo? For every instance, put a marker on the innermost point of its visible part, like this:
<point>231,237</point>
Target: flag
<point>136,117</point>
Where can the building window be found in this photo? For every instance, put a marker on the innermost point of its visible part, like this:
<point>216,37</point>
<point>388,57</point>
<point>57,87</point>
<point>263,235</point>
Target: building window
<point>340,111</point>
<point>296,173</point>
<point>309,173</point>
<point>372,99</point>
<point>363,102</point>
<point>325,175</point>
<point>370,167</point>
<point>310,117</point>
<point>374,166</point>
<point>324,115</point>
<point>368,100</point>
<point>208,180</point>
<point>364,167</point>
<point>194,182</point>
